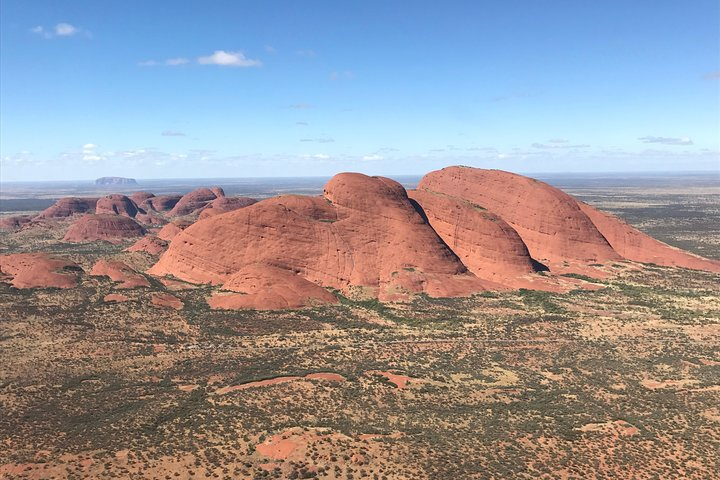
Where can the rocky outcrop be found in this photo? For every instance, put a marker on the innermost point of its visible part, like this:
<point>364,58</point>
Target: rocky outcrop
<point>108,181</point>
<point>68,206</point>
<point>14,222</point>
<point>148,244</point>
<point>196,200</point>
<point>38,270</point>
<point>119,272</point>
<point>111,228</point>
<point>116,204</point>
<point>169,231</point>
<point>548,220</point>
<point>140,197</point>
<point>160,203</point>
<point>484,242</point>
<point>224,205</point>
<point>166,300</point>
<point>266,287</point>
<point>364,235</point>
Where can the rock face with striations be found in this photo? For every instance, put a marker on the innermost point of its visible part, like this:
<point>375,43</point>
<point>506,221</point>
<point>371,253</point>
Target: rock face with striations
<point>111,228</point>
<point>224,205</point>
<point>485,243</point>
<point>548,220</point>
<point>463,230</point>
<point>363,235</point>
<point>109,181</point>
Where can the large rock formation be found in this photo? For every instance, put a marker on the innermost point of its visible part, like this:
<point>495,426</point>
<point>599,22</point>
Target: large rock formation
<point>116,204</point>
<point>170,231</point>
<point>38,270</point>
<point>68,206</point>
<point>109,181</point>
<point>224,205</point>
<point>195,200</point>
<point>364,235</point>
<point>485,243</point>
<point>160,203</point>
<point>548,220</point>
<point>111,228</point>
<point>140,197</point>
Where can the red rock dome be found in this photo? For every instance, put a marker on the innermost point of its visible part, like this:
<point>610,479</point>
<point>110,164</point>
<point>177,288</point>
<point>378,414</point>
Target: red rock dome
<point>68,206</point>
<point>112,228</point>
<point>116,204</point>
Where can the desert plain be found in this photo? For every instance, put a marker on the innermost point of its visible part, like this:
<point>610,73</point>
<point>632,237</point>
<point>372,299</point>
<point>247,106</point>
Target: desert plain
<point>611,372</point>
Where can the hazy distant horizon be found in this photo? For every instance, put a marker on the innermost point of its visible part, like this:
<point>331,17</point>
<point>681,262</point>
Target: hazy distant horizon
<point>631,173</point>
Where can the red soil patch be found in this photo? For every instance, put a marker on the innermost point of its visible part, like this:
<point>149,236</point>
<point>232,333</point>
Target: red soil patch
<point>115,297</point>
<point>111,228</point>
<point>332,377</point>
<point>119,272</point>
<point>38,270</point>
<point>165,300</point>
<point>400,381</point>
<point>293,443</point>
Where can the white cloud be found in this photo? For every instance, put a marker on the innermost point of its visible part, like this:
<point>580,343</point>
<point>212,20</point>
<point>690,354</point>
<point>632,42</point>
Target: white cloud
<point>176,61</point>
<point>228,59</point>
<point>317,156</point>
<point>667,140</point>
<point>172,133</point>
<point>89,154</point>
<point>65,30</point>
<point>60,30</point>
<point>558,144</point>
<point>369,158</point>
<point>270,49</point>
<point>306,53</point>
<point>300,106</point>
<point>170,62</point>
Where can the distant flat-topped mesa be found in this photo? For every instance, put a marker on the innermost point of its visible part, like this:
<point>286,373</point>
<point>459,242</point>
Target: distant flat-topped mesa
<point>115,181</point>
<point>464,230</point>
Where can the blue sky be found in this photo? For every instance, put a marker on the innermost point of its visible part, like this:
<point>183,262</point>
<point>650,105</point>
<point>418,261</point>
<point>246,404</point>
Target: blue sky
<point>169,89</point>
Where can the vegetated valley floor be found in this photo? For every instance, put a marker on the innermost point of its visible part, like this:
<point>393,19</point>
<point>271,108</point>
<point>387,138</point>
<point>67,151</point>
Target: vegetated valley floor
<point>622,382</point>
